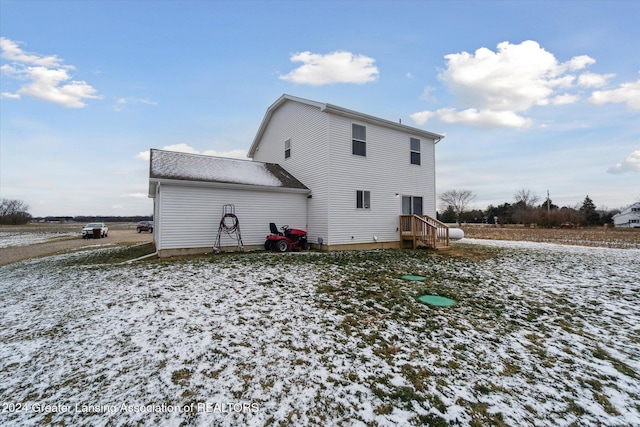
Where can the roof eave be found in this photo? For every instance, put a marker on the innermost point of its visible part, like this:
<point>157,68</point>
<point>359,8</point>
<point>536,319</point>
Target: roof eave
<point>227,185</point>
<point>345,112</point>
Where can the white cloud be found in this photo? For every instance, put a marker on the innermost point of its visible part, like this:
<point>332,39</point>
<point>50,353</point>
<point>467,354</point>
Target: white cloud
<point>136,195</point>
<point>10,95</point>
<point>426,93</point>
<point>335,67</point>
<point>630,164</point>
<point>12,52</point>
<point>122,103</point>
<point>579,62</point>
<point>422,117</point>
<point>565,99</point>
<point>184,148</point>
<point>45,76</point>
<point>498,87</point>
<point>594,80</point>
<point>627,93</point>
<point>484,118</point>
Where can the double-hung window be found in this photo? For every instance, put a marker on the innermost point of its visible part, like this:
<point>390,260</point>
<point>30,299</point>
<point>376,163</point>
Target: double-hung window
<point>415,150</point>
<point>358,140</point>
<point>287,148</point>
<point>363,199</point>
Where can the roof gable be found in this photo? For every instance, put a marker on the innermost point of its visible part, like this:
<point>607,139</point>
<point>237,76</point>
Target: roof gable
<point>334,109</point>
<point>201,168</point>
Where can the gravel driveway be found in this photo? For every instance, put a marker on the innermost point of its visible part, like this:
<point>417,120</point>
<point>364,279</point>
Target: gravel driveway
<point>116,237</point>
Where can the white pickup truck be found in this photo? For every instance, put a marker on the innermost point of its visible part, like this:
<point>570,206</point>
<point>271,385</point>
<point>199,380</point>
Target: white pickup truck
<point>88,233</point>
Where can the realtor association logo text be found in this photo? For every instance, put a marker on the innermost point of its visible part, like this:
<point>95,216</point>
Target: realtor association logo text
<point>200,407</point>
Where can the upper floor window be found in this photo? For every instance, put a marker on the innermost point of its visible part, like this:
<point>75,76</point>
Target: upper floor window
<point>415,151</point>
<point>287,148</point>
<point>363,199</point>
<point>358,140</point>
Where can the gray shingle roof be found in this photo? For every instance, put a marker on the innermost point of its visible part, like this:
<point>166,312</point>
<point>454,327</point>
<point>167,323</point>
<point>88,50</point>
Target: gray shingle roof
<point>198,167</point>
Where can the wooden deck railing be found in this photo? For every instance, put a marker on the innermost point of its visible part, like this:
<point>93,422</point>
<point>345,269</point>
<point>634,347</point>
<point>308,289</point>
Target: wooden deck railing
<point>422,229</point>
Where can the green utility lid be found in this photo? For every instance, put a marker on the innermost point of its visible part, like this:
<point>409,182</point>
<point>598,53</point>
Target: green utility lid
<point>436,300</point>
<point>412,277</point>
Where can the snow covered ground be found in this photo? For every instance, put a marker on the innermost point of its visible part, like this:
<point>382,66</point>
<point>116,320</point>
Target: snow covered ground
<point>541,335</point>
<point>10,238</point>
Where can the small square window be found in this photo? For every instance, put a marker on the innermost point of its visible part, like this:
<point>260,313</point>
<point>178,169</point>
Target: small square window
<point>287,149</point>
<point>363,199</point>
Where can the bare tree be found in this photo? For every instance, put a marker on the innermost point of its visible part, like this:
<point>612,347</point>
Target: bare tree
<point>526,198</point>
<point>14,212</point>
<point>458,200</point>
<point>524,207</point>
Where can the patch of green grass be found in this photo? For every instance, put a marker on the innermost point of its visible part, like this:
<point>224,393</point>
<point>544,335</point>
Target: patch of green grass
<point>574,408</point>
<point>114,255</point>
<point>620,366</point>
<point>605,403</point>
<point>181,376</point>
<point>431,420</point>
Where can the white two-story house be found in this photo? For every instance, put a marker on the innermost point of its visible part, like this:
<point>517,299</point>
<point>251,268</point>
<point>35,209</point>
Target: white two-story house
<point>629,217</point>
<point>353,177</point>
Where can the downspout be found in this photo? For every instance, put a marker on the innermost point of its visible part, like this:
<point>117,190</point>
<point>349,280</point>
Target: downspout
<point>156,223</point>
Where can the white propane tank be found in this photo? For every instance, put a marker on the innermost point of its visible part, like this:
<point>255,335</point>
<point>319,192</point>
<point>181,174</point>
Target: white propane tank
<point>454,233</point>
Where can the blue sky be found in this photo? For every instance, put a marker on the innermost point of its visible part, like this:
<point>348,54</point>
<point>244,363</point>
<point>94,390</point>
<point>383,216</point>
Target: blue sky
<point>534,95</point>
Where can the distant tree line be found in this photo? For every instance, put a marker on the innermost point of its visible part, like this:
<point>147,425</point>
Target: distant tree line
<point>524,209</point>
<point>15,212</point>
<point>102,218</point>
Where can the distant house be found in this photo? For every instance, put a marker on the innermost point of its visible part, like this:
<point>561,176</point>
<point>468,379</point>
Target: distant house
<point>629,217</point>
<point>351,180</point>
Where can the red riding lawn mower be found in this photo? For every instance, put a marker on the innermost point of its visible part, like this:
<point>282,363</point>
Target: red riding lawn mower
<point>290,239</point>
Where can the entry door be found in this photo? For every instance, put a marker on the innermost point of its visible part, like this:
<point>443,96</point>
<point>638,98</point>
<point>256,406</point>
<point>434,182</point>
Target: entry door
<point>411,205</point>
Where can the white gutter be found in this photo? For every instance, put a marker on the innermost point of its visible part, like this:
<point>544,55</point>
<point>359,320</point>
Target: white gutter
<point>229,185</point>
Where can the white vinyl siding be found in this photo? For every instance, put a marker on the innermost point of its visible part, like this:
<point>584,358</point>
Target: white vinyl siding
<point>384,172</point>
<point>307,126</point>
<point>190,215</point>
<point>325,163</point>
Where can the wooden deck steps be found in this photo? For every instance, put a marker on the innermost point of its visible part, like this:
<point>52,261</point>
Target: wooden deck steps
<point>423,231</point>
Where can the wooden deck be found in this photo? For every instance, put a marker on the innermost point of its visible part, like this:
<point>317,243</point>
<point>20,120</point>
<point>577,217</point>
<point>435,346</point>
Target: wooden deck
<point>423,231</point>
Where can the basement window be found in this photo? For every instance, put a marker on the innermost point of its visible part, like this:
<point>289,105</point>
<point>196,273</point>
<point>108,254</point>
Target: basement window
<point>363,199</point>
